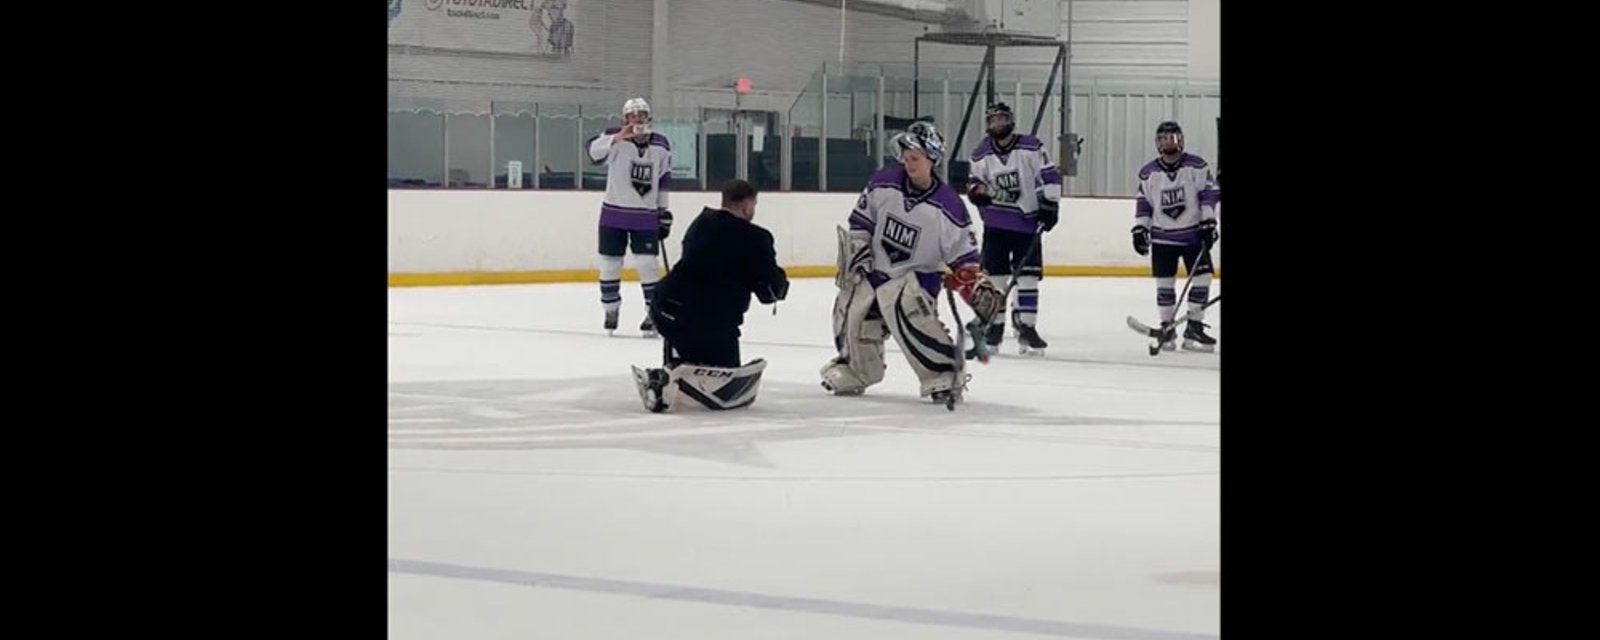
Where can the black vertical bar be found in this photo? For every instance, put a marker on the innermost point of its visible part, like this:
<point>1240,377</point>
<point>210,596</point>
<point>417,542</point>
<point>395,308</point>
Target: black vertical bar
<point>916,77</point>
<point>988,60</point>
<point>955,152</point>
<point>1044,99</point>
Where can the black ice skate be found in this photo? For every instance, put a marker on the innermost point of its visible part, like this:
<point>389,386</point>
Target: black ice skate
<point>1195,338</point>
<point>611,321</point>
<point>1028,341</point>
<point>647,328</point>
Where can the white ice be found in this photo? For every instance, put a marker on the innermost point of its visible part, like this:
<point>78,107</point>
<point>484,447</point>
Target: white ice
<point>531,496</point>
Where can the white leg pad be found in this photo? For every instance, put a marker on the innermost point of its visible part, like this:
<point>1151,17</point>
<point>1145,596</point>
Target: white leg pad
<point>913,318</point>
<point>858,333</point>
<point>693,386</point>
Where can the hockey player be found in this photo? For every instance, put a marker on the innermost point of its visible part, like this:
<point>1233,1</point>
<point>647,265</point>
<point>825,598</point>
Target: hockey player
<point>634,212</point>
<point>1176,218</point>
<point>906,227</point>
<point>1018,192</point>
<point>700,304</point>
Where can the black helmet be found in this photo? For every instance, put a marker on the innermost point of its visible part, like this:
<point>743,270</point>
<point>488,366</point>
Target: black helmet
<point>999,109</point>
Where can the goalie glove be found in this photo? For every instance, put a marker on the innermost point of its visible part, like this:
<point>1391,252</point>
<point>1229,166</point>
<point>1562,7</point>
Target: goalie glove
<point>969,281</point>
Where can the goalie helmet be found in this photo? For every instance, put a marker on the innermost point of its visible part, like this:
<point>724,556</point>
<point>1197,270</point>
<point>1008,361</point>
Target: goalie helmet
<point>1003,129</point>
<point>1169,138</point>
<point>923,137</point>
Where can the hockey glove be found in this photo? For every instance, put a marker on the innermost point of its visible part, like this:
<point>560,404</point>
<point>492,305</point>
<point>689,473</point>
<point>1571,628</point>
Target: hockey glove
<point>978,199</point>
<point>977,290</point>
<point>1141,240</point>
<point>1049,214</point>
<point>773,293</point>
<point>664,222</point>
<point>1208,232</point>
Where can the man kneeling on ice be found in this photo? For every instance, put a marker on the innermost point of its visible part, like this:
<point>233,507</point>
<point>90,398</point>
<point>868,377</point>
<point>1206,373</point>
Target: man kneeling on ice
<point>700,304</point>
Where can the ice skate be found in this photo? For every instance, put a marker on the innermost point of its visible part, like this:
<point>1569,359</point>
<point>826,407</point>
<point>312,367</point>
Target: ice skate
<point>611,321</point>
<point>1195,338</point>
<point>647,328</point>
<point>1028,341</point>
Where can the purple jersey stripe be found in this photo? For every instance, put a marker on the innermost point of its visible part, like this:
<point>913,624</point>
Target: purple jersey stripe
<point>860,222</point>
<point>1050,175</point>
<point>1008,219</point>
<point>970,257</point>
<point>1210,196</point>
<point>1143,209</point>
<point>629,218</point>
<point>929,282</point>
<point>1176,236</point>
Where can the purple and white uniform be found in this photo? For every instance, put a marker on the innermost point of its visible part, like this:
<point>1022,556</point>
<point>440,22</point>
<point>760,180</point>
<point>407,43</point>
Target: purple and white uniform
<point>912,232</point>
<point>1016,179</point>
<point>636,180</point>
<point>1173,200</point>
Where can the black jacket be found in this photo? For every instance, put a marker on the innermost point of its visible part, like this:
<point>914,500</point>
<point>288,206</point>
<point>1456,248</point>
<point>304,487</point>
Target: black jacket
<point>725,259</point>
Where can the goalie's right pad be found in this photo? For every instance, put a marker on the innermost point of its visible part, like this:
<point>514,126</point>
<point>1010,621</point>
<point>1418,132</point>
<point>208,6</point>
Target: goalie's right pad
<point>986,300</point>
<point>858,334</point>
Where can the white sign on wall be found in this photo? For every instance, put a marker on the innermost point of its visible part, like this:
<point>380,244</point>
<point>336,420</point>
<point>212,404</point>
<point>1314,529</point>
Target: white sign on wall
<point>533,27</point>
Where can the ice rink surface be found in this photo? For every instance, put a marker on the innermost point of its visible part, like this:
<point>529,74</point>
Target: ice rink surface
<point>1074,495</point>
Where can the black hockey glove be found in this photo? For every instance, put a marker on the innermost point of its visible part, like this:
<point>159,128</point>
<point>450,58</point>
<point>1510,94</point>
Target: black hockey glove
<point>982,200</point>
<point>1141,240</point>
<point>1208,233</point>
<point>664,220</point>
<point>1049,214</point>
<point>771,294</point>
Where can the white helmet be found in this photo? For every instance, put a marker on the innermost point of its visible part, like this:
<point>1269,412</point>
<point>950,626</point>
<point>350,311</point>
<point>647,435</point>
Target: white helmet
<point>634,105</point>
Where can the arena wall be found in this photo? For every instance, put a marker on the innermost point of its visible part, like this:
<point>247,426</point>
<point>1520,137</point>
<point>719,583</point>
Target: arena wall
<point>501,237</point>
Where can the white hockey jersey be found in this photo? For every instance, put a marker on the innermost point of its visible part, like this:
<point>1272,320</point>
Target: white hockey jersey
<point>912,232</point>
<point>1173,200</point>
<point>1016,179</point>
<point>636,179</point>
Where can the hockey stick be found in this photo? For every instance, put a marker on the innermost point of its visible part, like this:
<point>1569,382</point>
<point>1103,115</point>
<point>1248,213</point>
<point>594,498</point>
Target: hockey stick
<point>958,371</point>
<point>666,345</point>
<point>981,348</point>
<point>1160,334</point>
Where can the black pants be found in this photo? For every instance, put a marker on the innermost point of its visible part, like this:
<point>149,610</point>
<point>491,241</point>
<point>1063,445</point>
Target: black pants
<point>707,342</point>
<point>1002,247</point>
<point>1164,259</point>
<point>644,243</point>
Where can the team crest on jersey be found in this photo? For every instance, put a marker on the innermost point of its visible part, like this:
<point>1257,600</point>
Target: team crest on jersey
<point>1008,187</point>
<point>1173,202</point>
<point>899,239</point>
<point>642,174</point>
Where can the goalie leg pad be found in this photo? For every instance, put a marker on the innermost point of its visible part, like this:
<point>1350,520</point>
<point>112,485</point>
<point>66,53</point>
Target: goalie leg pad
<point>687,386</point>
<point>715,388</point>
<point>855,257</point>
<point>912,316</point>
<point>858,334</point>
